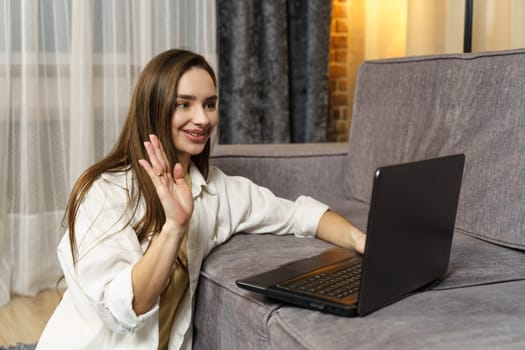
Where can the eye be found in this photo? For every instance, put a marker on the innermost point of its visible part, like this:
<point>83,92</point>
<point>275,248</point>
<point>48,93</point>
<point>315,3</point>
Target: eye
<point>210,105</point>
<point>182,104</point>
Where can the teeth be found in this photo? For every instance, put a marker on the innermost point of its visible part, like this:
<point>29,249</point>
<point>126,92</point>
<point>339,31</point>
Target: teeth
<point>196,133</point>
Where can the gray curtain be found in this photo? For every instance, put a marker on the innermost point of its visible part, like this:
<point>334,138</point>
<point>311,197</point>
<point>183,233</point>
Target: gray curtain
<point>273,71</point>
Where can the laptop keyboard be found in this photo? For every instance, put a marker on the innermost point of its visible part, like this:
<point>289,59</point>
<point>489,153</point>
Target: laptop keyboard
<point>338,284</point>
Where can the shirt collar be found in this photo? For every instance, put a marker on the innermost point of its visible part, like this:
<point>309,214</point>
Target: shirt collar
<point>198,183</point>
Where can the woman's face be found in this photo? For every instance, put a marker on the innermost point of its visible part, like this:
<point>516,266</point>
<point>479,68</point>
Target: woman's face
<point>195,114</point>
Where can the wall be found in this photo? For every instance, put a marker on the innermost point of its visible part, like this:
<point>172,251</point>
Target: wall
<point>346,54</point>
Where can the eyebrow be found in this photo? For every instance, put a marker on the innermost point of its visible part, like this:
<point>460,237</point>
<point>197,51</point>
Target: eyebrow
<point>191,97</point>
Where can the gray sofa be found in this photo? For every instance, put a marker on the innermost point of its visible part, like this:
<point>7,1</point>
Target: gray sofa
<point>405,109</point>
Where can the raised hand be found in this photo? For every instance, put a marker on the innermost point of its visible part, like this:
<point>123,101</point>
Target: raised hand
<point>151,273</point>
<point>173,192</point>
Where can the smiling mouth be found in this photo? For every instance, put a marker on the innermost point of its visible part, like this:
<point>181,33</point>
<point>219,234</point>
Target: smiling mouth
<point>196,135</point>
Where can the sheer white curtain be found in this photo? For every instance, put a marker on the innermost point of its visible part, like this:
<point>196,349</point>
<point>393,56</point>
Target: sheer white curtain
<point>67,69</point>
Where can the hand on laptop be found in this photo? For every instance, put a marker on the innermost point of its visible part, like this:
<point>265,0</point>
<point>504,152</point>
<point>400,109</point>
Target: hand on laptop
<point>338,230</point>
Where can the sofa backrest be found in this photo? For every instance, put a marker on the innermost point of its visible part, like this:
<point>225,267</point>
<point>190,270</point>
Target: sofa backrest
<point>421,107</point>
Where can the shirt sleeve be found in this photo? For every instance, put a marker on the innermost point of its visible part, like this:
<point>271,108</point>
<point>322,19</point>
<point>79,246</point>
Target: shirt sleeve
<point>108,248</point>
<point>247,207</point>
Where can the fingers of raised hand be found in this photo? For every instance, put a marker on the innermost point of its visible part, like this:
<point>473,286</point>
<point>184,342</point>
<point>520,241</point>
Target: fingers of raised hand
<point>153,174</point>
<point>157,157</point>
<point>159,152</point>
<point>175,196</point>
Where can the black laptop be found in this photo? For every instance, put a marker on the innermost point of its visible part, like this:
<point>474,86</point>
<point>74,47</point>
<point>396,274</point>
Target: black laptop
<point>409,237</point>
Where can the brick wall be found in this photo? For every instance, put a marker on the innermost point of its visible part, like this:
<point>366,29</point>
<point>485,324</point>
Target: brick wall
<point>346,54</point>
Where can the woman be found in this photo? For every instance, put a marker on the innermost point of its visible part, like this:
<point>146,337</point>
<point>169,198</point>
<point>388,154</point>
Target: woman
<point>141,220</point>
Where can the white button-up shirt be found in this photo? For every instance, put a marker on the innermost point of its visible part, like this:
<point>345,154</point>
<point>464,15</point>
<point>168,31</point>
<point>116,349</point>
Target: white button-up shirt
<point>96,310</point>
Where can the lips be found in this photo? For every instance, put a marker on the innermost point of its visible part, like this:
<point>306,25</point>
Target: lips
<point>196,135</point>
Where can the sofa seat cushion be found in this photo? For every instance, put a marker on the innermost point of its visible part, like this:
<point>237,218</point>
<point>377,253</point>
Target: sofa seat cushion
<point>477,262</point>
<point>249,320</point>
<point>484,317</point>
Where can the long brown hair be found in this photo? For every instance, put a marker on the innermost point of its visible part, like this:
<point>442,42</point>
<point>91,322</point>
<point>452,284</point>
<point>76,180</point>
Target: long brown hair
<point>150,112</point>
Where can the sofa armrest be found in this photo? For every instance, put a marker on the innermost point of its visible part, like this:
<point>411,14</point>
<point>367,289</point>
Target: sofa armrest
<point>289,170</point>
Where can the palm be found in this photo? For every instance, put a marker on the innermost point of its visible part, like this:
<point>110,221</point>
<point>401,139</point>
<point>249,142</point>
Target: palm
<point>175,196</point>
<point>174,193</point>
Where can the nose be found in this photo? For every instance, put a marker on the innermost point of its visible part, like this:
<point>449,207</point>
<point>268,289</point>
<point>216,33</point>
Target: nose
<point>201,117</point>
